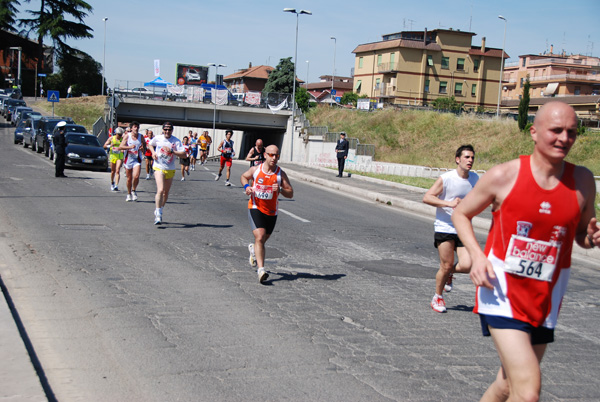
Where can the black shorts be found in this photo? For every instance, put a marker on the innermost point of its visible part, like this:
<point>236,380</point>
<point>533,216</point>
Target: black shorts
<point>149,157</point>
<point>258,220</point>
<point>184,161</point>
<point>440,237</point>
<point>539,335</point>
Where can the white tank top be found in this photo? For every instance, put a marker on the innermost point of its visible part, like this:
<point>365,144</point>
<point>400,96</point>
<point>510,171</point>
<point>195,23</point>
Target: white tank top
<point>454,186</point>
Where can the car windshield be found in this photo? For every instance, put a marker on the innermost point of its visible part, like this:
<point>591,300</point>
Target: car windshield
<point>82,140</point>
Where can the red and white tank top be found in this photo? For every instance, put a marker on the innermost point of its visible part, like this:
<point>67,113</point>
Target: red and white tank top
<point>263,197</point>
<point>530,245</point>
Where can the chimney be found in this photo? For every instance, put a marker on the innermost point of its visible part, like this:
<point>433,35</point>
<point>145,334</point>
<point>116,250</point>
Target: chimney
<point>551,49</point>
<point>249,65</point>
<point>425,37</point>
<point>483,45</point>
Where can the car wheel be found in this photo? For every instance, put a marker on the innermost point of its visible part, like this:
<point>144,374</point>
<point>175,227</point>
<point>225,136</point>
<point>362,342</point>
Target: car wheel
<point>46,150</point>
<point>24,143</point>
<point>33,147</point>
<point>16,141</point>
<point>51,155</point>
<point>38,149</point>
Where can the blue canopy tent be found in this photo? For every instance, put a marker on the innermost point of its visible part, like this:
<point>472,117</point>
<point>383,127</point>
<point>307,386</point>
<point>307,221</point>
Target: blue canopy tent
<point>157,83</point>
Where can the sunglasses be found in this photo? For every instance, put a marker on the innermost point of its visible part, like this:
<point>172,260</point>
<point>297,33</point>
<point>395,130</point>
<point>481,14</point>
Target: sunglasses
<point>273,155</point>
<point>168,128</point>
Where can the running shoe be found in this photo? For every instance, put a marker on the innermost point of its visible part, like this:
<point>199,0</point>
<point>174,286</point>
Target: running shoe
<point>438,304</point>
<point>116,188</point>
<point>157,218</point>
<point>134,196</point>
<point>252,258</point>
<point>128,199</point>
<point>188,172</point>
<point>183,179</point>
<point>227,183</point>
<point>112,187</point>
<point>448,286</point>
<point>148,177</point>
<point>218,177</point>
<point>262,275</point>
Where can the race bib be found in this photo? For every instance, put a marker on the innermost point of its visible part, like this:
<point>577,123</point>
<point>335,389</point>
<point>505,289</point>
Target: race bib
<point>263,192</point>
<point>116,150</point>
<point>531,258</point>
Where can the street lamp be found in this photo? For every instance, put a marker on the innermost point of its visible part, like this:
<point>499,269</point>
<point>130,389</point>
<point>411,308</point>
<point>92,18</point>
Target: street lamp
<point>104,55</point>
<point>19,66</point>
<point>501,68</point>
<point>213,96</point>
<point>293,10</point>
<point>307,67</point>
<point>333,76</point>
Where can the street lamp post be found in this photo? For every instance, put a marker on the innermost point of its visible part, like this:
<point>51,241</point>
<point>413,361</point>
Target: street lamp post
<point>104,54</point>
<point>307,67</point>
<point>333,76</point>
<point>18,66</point>
<point>213,96</point>
<point>293,10</point>
<point>501,68</point>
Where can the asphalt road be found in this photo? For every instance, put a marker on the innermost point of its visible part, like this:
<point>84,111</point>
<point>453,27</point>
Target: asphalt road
<point>119,309</point>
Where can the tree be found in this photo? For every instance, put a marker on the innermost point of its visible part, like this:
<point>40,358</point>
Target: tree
<point>8,12</point>
<point>450,104</point>
<point>50,21</point>
<point>524,106</point>
<point>78,70</point>
<point>302,99</point>
<point>282,78</point>
<point>349,98</point>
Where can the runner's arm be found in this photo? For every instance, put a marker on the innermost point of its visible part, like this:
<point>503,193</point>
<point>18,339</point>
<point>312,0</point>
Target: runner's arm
<point>246,179</point>
<point>588,233</point>
<point>250,156</point>
<point>431,197</point>
<point>286,188</point>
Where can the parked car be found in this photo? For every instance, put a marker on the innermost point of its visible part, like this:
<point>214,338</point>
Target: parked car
<point>30,128</point>
<point>83,149</point>
<point>19,133</point>
<point>10,105</point>
<point>16,114</point>
<point>26,114</point>
<point>43,134</point>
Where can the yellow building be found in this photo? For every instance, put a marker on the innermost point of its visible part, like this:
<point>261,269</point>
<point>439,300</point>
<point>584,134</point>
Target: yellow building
<point>414,67</point>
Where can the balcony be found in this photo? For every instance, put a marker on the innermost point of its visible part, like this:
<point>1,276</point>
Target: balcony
<point>567,77</point>
<point>576,62</point>
<point>388,67</point>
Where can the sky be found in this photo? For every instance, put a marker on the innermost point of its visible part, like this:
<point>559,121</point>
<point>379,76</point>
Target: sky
<point>238,32</point>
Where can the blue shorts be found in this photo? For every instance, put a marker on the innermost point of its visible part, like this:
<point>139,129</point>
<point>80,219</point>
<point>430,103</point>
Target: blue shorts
<point>539,335</point>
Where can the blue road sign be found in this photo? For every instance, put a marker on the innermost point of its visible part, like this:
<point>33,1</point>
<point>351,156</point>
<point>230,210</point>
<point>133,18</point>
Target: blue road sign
<point>53,96</point>
<point>333,91</point>
<point>41,75</point>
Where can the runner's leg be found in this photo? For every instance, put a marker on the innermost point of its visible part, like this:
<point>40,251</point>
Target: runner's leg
<point>446,253</point>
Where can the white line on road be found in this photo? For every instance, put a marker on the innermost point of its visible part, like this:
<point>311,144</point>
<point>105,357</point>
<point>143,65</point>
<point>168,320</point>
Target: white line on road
<point>294,216</point>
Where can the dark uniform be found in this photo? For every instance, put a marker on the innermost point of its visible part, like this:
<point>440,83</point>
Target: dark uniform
<point>341,150</point>
<point>60,145</point>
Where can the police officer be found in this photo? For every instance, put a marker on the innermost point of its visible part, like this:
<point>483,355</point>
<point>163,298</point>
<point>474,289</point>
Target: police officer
<point>60,144</point>
<point>341,150</point>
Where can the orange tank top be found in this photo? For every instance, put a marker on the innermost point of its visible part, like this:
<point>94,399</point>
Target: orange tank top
<point>263,197</point>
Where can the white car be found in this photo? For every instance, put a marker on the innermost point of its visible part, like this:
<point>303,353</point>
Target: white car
<point>192,75</point>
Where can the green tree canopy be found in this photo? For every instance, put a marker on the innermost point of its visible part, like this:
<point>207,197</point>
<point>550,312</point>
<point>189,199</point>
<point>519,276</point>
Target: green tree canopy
<point>524,106</point>
<point>349,98</point>
<point>8,12</point>
<point>79,70</point>
<point>302,99</point>
<point>282,78</point>
<point>450,104</point>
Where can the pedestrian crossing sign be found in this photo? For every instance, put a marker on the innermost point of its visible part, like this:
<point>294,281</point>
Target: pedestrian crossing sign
<point>53,96</point>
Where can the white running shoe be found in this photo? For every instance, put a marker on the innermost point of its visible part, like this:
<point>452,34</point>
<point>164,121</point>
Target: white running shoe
<point>227,183</point>
<point>112,187</point>
<point>183,179</point>
<point>262,275</point>
<point>218,177</point>
<point>438,304</point>
<point>157,218</point>
<point>128,199</point>
<point>448,286</point>
<point>134,196</point>
<point>147,176</point>
<point>252,258</point>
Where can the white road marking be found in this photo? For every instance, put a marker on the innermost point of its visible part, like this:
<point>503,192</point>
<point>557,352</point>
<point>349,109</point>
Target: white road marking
<point>294,216</point>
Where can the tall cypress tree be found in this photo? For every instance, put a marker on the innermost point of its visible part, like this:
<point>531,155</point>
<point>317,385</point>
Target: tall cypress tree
<point>524,105</point>
<point>8,12</point>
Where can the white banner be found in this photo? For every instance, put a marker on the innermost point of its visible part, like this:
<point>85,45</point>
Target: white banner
<point>221,97</point>
<point>275,109</point>
<point>252,98</point>
<point>157,68</point>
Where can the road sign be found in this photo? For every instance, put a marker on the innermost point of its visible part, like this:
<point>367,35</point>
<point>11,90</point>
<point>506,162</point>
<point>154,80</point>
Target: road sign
<point>53,96</point>
<point>333,91</point>
<point>41,75</point>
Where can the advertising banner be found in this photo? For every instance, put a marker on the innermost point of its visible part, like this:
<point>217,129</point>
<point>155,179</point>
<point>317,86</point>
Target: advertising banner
<point>188,74</point>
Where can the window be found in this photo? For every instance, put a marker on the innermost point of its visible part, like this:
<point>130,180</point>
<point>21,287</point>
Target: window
<point>524,61</point>
<point>445,63</point>
<point>430,60</point>
<point>458,88</point>
<point>392,59</point>
<point>360,63</point>
<point>426,85</point>
<point>378,59</point>
<point>475,65</point>
<point>460,64</point>
<point>521,82</point>
<point>377,83</point>
<point>474,90</point>
<point>443,87</point>
<point>358,85</point>
<point>577,90</point>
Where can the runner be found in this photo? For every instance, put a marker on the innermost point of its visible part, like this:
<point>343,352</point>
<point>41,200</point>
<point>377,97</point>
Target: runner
<point>193,151</point>
<point>445,194</point>
<point>227,153</point>
<point>268,181</point>
<point>540,204</point>
<point>164,149</point>
<point>185,161</point>
<point>148,155</point>
<point>115,157</point>
<point>133,146</point>
<point>204,141</point>
<point>256,156</point>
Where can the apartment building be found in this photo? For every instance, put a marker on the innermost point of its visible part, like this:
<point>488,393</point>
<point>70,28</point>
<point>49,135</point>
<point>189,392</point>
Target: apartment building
<point>552,75</point>
<point>251,79</point>
<point>417,67</point>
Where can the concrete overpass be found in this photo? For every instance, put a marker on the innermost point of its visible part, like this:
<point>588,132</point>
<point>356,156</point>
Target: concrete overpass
<point>252,121</point>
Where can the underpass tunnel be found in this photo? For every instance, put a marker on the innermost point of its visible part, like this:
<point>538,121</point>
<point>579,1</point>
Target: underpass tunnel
<point>269,138</point>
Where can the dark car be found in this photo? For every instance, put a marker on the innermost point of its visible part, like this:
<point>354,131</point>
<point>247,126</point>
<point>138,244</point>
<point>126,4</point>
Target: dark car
<point>43,135</point>
<point>10,105</point>
<point>83,150</point>
<point>26,114</point>
<point>19,132</point>
<point>16,114</point>
<point>31,126</point>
